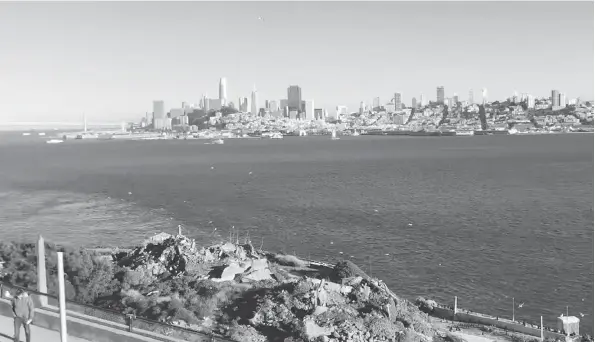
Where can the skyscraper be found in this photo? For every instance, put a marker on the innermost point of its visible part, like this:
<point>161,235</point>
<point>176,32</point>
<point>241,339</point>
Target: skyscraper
<point>484,95</point>
<point>376,103</point>
<point>223,91</point>
<point>555,98</point>
<point>309,110</point>
<point>455,98</point>
<point>530,101</point>
<point>440,95</point>
<point>362,107</point>
<point>471,96</point>
<point>273,106</point>
<point>398,102</point>
<point>294,98</point>
<point>422,100</point>
<point>413,103</point>
<point>158,114</point>
<point>562,100</point>
<point>205,103</point>
<point>254,101</point>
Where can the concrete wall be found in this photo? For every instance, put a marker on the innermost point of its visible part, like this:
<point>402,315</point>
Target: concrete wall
<point>501,323</point>
<point>91,328</point>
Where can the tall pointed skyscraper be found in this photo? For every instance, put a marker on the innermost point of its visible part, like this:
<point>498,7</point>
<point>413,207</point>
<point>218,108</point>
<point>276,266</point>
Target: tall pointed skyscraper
<point>254,104</point>
<point>223,91</point>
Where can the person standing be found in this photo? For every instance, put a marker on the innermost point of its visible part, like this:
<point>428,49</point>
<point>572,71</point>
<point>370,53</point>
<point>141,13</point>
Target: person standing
<point>23,310</point>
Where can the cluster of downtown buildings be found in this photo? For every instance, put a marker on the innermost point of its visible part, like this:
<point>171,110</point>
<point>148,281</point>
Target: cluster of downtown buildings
<point>295,108</point>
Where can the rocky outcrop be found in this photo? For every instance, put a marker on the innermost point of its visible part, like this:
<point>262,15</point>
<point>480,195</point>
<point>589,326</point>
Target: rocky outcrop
<point>354,307</point>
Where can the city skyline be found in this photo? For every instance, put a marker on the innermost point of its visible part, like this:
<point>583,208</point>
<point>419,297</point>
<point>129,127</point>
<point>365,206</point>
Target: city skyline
<point>61,61</point>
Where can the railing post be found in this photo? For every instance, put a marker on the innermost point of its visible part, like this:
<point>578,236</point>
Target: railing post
<point>130,318</point>
<point>62,298</point>
<point>41,271</point>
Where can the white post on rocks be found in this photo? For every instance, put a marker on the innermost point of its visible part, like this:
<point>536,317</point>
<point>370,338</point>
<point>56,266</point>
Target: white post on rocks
<point>455,305</point>
<point>62,296</point>
<point>542,328</point>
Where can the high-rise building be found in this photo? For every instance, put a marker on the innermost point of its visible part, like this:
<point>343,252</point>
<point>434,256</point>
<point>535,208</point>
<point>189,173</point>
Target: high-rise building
<point>471,101</point>
<point>294,98</point>
<point>318,114</point>
<point>440,95</point>
<point>159,115</point>
<point>555,98</point>
<point>309,110</point>
<point>273,106</point>
<point>448,101</point>
<point>484,95</point>
<point>530,101</point>
<point>362,107</point>
<point>422,100</point>
<point>223,91</point>
<point>254,107</point>
<point>455,98</point>
<point>376,103</point>
<point>562,100</point>
<point>341,110</point>
<point>413,103</point>
<point>397,100</point>
<point>205,103</point>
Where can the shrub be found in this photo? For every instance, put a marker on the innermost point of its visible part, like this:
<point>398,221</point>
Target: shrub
<point>347,269</point>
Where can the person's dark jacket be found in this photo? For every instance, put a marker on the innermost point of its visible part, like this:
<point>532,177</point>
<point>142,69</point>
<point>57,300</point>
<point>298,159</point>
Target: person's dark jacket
<point>23,307</point>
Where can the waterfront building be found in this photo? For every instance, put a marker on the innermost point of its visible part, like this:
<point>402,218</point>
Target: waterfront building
<point>309,112</point>
<point>555,98</point>
<point>223,91</point>
<point>470,96</point>
<point>440,95</point>
<point>376,103</point>
<point>397,100</point>
<point>294,98</point>
<point>254,104</point>
<point>413,103</point>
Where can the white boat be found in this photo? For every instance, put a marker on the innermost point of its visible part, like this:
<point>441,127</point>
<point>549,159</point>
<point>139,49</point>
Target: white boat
<point>41,134</point>
<point>464,132</point>
<point>26,134</point>
<point>276,135</point>
<point>54,141</point>
<point>334,135</point>
<point>218,142</point>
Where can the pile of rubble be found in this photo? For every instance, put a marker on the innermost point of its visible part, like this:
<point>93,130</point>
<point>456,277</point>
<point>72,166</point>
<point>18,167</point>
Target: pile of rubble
<point>179,255</point>
<point>359,310</point>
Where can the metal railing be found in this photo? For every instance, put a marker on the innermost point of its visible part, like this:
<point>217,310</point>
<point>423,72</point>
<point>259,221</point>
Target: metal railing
<point>135,324</point>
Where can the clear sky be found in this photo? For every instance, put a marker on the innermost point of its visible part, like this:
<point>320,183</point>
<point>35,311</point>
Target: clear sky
<point>112,59</point>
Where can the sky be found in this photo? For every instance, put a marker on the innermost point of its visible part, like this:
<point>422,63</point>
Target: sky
<point>110,60</point>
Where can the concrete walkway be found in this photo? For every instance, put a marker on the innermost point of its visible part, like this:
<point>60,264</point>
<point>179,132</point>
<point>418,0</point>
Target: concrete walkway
<point>37,333</point>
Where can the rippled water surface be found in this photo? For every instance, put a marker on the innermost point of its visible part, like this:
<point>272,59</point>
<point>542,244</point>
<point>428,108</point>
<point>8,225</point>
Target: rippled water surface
<point>483,218</point>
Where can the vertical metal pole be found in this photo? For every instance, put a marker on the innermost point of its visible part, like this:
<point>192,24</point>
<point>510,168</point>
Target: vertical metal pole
<point>63,334</point>
<point>541,328</point>
<point>513,309</point>
<point>456,305</point>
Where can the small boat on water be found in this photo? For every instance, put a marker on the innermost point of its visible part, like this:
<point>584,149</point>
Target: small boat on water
<point>54,141</point>
<point>334,135</point>
<point>26,134</point>
<point>217,142</point>
<point>41,134</point>
<point>276,135</point>
<point>356,133</point>
<point>465,132</point>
